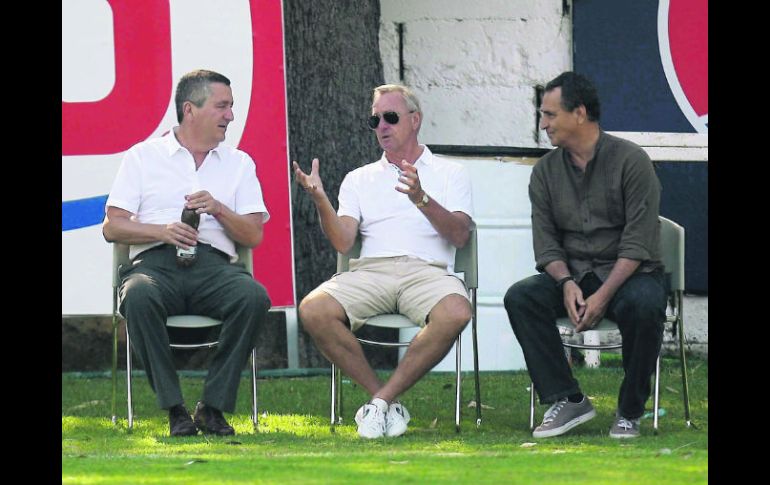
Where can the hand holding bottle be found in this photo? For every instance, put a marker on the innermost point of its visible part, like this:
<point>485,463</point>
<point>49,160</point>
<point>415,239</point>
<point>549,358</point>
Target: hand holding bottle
<point>186,257</point>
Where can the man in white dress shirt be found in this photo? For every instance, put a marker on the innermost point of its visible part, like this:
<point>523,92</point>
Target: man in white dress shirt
<point>188,168</point>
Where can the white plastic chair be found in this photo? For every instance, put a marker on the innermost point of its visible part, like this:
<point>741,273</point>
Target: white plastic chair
<point>466,262</point>
<point>119,258</point>
<point>672,254</point>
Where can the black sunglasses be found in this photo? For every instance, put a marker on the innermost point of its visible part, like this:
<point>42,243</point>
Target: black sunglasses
<point>391,117</point>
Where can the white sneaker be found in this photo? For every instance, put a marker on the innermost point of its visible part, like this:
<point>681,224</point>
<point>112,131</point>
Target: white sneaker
<point>371,419</point>
<point>396,420</point>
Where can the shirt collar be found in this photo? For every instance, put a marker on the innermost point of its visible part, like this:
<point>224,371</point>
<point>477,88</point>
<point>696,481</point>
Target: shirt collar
<point>173,145</point>
<point>426,158</point>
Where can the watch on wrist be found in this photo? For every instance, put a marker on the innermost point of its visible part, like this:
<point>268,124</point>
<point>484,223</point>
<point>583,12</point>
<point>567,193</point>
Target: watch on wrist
<point>561,282</point>
<point>422,202</point>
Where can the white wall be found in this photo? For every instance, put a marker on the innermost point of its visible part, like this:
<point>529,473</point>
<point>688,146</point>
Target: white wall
<point>475,65</point>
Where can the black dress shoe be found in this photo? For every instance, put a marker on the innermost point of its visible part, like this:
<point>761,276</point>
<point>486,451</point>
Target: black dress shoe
<point>180,423</point>
<point>211,421</point>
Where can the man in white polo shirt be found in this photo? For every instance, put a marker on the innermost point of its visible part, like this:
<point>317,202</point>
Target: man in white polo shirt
<point>412,210</point>
<point>188,168</point>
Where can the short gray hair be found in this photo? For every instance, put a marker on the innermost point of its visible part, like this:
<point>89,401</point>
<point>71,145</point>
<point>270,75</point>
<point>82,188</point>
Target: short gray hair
<point>194,87</point>
<point>412,103</point>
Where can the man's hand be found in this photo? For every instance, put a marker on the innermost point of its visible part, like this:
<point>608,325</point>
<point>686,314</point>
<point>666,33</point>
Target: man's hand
<point>573,302</point>
<point>595,306</point>
<point>311,183</point>
<point>179,234</point>
<point>410,178</point>
<point>203,203</point>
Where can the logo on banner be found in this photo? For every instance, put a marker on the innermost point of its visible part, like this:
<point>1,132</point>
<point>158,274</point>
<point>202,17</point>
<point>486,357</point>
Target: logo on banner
<point>683,42</point>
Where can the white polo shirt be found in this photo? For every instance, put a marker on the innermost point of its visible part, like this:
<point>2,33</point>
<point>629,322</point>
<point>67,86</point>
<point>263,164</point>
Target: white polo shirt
<point>156,174</point>
<point>389,223</point>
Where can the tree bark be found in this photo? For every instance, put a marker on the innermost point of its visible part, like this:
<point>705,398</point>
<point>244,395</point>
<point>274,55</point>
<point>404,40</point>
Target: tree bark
<point>332,65</point>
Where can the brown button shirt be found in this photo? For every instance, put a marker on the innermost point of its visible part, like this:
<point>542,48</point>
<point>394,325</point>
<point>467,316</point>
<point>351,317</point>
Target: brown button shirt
<point>590,219</point>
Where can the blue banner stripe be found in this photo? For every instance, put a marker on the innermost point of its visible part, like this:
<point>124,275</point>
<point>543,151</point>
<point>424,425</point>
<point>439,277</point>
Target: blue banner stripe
<point>82,212</point>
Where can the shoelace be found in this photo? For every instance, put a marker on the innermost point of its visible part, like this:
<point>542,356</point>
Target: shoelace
<point>371,408</point>
<point>553,411</point>
<point>625,423</point>
<point>375,411</point>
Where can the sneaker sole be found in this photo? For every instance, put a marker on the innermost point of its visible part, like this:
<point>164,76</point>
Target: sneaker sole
<point>370,437</point>
<point>566,426</point>
<point>623,436</point>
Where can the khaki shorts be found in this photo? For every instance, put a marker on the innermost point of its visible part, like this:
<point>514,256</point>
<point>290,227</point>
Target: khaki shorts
<point>399,284</point>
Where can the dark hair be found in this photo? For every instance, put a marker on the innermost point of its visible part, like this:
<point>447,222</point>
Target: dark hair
<point>576,90</point>
<point>194,87</point>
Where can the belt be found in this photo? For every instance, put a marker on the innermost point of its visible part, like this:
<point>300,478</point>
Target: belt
<point>214,250</point>
<point>204,246</point>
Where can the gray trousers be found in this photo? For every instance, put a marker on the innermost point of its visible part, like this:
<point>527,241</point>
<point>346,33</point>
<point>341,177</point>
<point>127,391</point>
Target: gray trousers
<point>639,309</point>
<point>154,288</point>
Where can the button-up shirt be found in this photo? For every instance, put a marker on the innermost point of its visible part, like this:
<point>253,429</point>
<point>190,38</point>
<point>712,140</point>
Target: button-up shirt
<point>590,219</point>
<point>156,174</point>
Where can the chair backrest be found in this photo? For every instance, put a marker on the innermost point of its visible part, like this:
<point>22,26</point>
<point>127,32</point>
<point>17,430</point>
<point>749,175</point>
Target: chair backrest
<point>672,252</point>
<point>466,258</point>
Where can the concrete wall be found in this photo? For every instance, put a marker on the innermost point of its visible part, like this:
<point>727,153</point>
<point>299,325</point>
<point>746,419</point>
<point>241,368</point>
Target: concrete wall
<point>475,65</point>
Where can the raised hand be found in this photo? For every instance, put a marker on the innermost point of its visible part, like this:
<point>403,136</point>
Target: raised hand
<point>411,180</point>
<point>312,182</point>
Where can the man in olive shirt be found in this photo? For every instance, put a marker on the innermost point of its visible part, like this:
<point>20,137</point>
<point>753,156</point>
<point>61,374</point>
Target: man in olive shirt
<point>595,201</point>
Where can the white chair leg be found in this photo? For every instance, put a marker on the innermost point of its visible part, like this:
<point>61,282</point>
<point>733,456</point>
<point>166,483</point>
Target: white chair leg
<point>656,399</point>
<point>333,400</point>
<point>683,358</point>
<point>114,368</point>
<point>129,401</point>
<point>458,381</point>
<point>531,406</point>
<point>476,381</point>
<point>254,403</point>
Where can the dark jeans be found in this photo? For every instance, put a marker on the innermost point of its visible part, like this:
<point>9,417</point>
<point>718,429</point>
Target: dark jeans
<point>639,308</point>
<point>154,287</point>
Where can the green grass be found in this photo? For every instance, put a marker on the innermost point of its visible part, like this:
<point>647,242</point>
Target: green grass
<point>294,443</point>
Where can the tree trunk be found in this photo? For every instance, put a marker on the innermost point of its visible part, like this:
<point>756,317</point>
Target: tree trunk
<point>332,65</point>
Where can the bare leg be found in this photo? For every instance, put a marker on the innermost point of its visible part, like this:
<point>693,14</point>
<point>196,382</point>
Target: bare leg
<point>324,319</point>
<point>447,319</point>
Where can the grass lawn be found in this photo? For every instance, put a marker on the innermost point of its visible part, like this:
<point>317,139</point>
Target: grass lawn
<point>294,443</point>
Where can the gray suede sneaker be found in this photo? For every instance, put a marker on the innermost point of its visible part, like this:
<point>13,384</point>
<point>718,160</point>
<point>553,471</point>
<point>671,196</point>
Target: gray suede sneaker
<point>624,428</point>
<point>562,416</point>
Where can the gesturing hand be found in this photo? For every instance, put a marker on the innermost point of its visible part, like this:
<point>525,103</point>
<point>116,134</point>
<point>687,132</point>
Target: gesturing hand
<point>411,180</point>
<point>312,182</point>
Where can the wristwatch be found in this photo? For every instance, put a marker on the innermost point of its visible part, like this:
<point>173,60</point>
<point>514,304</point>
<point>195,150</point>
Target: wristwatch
<point>561,282</point>
<point>423,202</point>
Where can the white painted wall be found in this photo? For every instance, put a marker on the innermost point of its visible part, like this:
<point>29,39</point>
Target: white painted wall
<point>475,65</point>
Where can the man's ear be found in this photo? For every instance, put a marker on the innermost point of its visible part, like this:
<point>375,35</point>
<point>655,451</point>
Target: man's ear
<point>187,107</point>
<point>581,113</point>
<point>417,120</point>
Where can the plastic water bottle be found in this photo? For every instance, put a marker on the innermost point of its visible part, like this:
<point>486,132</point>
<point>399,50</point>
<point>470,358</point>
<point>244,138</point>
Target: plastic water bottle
<point>186,257</point>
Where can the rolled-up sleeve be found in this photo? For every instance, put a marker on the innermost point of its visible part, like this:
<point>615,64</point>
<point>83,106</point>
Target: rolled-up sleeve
<point>641,187</point>
<point>546,237</point>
